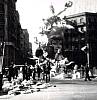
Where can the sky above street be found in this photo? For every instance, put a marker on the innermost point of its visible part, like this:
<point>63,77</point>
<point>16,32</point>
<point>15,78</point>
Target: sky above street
<point>33,11</point>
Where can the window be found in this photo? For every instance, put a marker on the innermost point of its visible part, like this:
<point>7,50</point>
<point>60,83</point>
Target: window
<point>2,18</point>
<point>81,20</point>
<point>1,7</point>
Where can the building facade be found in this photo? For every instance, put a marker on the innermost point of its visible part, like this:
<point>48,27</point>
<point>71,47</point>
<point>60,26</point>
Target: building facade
<point>86,23</point>
<point>67,39</point>
<point>24,43</point>
<point>7,27</point>
<point>30,54</point>
<point>10,30</point>
<point>73,40</point>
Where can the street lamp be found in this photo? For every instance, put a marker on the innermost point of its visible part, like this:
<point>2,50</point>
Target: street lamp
<point>67,5</point>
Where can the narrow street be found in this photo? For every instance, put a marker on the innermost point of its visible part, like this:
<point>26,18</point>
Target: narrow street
<point>63,90</point>
<point>48,38</point>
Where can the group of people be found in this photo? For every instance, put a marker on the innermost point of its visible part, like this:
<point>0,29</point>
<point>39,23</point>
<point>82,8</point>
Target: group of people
<point>74,66</point>
<point>41,70</point>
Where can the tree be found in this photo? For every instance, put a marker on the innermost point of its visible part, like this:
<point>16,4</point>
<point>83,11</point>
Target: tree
<point>54,24</point>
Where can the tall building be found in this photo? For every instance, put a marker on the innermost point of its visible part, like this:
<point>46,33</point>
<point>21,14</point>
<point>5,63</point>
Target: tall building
<point>72,40</point>
<point>30,54</point>
<point>24,43</point>
<point>9,30</point>
<point>86,23</point>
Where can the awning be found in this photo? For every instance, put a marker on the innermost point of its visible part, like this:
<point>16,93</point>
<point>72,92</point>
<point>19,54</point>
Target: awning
<point>31,61</point>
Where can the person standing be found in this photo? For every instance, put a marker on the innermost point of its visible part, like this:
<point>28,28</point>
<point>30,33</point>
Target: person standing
<point>34,72</point>
<point>87,73</point>
<point>28,73</point>
<point>85,62</point>
<point>15,71</point>
<point>47,71</point>
<point>25,71</point>
<point>10,75</point>
<point>38,70</point>
<point>58,55</point>
<point>58,58</point>
<point>42,64</point>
